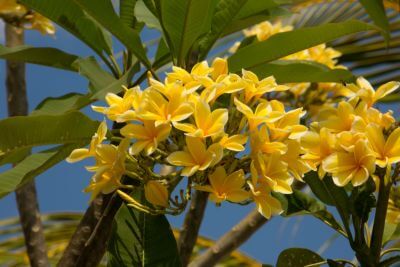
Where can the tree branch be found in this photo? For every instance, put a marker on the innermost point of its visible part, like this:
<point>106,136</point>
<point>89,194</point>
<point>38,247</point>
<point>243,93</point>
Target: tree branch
<point>231,240</point>
<point>26,196</point>
<point>191,226</point>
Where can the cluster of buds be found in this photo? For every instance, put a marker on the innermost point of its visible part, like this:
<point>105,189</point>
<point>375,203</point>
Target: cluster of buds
<point>18,15</point>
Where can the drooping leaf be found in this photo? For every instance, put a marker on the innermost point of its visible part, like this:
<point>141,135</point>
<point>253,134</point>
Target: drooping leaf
<point>62,104</point>
<point>46,56</point>
<point>103,12</point>
<point>288,71</point>
<point>71,17</point>
<point>140,239</point>
<point>184,21</point>
<point>377,12</point>
<point>127,12</point>
<point>23,132</point>
<point>298,257</point>
<point>32,166</point>
<point>286,43</point>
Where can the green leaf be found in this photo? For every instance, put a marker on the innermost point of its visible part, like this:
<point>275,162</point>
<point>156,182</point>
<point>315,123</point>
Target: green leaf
<point>32,166</point>
<point>103,12</point>
<point>184,21</point>
<point>144,14</point>
<point>23,132</point>
<point>286,43</point>
<point>376,11</point>
<point>225,12</point>
<point>389,232</point>
<point>71,17</point>
<point>298,257</point>
<point>291,71</point>
<point>62,104</point>
<point>163,55</point>
<point>140,239</point>
<point>299,203</point>
<point>50,57</point>
<point>127,12</point>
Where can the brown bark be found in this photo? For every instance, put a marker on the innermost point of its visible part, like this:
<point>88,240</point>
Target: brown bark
<point>26,197</point>
<point>231,240</point>
<point>191,226</point>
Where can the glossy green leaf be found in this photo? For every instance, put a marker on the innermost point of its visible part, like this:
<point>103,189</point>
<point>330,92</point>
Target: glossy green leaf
<point>299,203</point>
<point>23,132</point>
<point>224,13</point>
<point>290,71</point>
<point>127,12</point>
<point>163,55</point>
<point>286,43</point>
<point>298,257</point>
<point>62,104</point>
<point>103,12</point>
<point>376,11</point>
<point>184,21</point>
<point>71,17</point>
<point>32,166</point>
<point>140,239</point>
<point>144,14</point>
<point>46,56</point>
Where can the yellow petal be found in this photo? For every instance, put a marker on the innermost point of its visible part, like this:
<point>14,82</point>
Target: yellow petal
<point>181,158</point>
<point>78,154</point>
<point>156,193</point>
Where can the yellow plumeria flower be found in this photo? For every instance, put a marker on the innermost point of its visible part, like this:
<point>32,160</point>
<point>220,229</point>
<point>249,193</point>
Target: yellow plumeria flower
<point>41,23</point>
<point>234,143</point>
<point>386,151</point>
<point>288,126</point>
<point>318,146</point>
<point>339,119</point>
<point>198,75</point>
<point>260,142</point>
<point>296,165</point>
<point>272,172</point>
<point>120,108</point>
<point>225,84</point>
<point>366,92</point>
<point>196,156</point>
<point>207,123</point>
<point>219,68</point>
<point>354,167</point>
<point>82,153</point>
<point>254,88</point>
<point>160,110</point>
<point>225,187</point>
<point>156,193</point>
<point>266,29</point>
<point>262,114</point>
<point>147,136</point>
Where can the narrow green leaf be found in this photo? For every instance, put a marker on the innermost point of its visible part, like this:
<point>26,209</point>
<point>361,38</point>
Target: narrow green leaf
<point>286,43</point>
<point>103,12</point>
<point>184,21</point>
<point>376,11</point>
<point>163,55</point>
<point>140,239</point>
<point>293,71</point>
<point>71,17</point>
<point>23,132</point>
<point>127,12</point>
<point>144,14</point>
<point>46,56</point>
<point>298,257</point>
<point>32,166</point>
<point>62,104</point>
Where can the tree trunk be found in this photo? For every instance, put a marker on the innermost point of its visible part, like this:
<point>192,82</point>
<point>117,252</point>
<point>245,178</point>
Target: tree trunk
<point>26,195</point>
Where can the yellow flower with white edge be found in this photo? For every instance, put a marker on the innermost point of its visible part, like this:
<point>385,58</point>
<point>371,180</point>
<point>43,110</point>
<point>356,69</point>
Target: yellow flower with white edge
<point>82,153</point>
<point>207,123</point>
<point>234,142</point>
<point>386,151</point>
<point>160,110</point>
<point>196,156</point>
<point>156,193</point>
<point>225,187</point>
<point>273,172</point>
<point>355,167</point>
<point>262,114</point>
<point>120,108</point>
<point>147,136</point>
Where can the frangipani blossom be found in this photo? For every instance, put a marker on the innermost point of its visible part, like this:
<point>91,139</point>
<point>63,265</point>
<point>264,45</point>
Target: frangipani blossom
<point>387,151</point>
<point>234,142</point>
<point>156,193</point>
<point>225,187</point>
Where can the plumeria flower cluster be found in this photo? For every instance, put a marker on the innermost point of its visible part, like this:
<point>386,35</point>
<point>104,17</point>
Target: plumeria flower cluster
<point>225,134</point>
<point>18,14</point>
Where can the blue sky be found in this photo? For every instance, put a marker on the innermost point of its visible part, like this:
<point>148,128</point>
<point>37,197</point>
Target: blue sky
<point>60,188</point>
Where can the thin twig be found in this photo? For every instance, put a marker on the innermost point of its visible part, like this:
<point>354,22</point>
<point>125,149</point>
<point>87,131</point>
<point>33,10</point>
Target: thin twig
<point>191,226</point>
<point>26,196</point>
<point>239,234</point>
